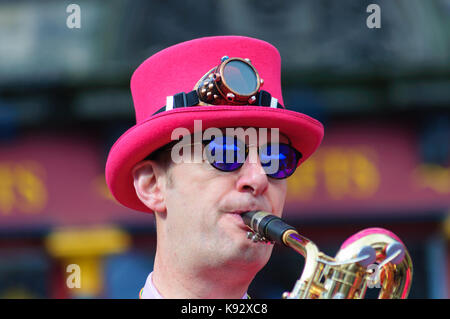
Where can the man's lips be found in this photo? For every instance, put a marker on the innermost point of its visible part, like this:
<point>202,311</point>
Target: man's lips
<point>236,215</point>
<point>244,210</point>
<point>238,212</point>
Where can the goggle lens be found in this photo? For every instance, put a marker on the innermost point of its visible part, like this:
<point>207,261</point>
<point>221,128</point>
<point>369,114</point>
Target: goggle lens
<point>240,77</point>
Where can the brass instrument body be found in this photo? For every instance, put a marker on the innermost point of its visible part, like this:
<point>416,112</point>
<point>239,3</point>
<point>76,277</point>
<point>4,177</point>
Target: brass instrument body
<point>371,257</point>
<point>343,277</point>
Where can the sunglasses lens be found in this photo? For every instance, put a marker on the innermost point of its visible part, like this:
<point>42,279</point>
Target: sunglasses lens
<point>279,160</point>
<point>240,77</point>
<point>226,153</point>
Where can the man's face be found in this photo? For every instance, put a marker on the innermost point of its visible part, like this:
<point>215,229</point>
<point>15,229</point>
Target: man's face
<point>203,206</point>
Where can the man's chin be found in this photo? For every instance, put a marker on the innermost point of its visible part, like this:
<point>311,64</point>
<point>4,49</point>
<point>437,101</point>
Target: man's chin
<point>256,253</point>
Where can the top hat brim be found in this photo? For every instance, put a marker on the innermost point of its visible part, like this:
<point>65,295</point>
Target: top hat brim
<point>304,132</point>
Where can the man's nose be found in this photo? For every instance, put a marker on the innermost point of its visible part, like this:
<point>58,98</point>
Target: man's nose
<point>252,176</point>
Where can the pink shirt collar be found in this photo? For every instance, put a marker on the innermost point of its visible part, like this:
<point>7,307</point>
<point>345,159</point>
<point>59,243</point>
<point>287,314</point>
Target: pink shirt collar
<point>150,292</point>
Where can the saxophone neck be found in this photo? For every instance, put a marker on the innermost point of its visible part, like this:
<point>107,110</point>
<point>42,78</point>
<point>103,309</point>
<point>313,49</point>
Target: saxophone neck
<point>305,287</point>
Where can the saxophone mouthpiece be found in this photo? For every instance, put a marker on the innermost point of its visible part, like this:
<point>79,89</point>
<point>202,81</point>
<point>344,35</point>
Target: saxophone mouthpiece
<point>266,225</point>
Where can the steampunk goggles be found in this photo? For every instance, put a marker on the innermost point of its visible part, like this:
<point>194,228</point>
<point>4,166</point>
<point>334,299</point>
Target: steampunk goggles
<point>235,81</point>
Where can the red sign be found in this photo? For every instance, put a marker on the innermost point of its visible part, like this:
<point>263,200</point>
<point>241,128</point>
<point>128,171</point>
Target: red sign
<point>363,169</point>
<point>358,170</point>
<point>47,181</point>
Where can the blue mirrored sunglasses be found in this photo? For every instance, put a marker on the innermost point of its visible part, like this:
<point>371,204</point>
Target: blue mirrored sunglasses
<point>228,154</point>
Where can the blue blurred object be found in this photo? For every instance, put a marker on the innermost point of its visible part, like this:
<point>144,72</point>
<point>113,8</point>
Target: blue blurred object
<point>24,274</point>
<point>9,121</point>
<point>436,267</point>
<point>435,140</point>
<point>126,274</point>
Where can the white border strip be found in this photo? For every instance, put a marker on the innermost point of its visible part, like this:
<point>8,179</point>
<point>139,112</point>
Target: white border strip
<point>273,103</point>
<point>169,103</point>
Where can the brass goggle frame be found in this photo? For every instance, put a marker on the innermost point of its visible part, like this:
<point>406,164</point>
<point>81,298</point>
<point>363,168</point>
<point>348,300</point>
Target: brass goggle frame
<point>213,89</point>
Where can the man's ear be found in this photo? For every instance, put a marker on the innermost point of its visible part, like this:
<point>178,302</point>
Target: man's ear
<point>149,186</point>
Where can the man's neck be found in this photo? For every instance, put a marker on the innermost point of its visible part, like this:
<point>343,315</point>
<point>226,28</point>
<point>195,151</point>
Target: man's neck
<point>187,282</point>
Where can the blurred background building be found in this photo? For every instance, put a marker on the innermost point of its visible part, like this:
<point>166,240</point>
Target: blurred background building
<point>383,95</point>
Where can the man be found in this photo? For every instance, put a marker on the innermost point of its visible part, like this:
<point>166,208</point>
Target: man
<point>202,92</point>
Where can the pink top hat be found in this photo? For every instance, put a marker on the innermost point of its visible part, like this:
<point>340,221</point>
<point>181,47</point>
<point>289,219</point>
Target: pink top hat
<point>178,69</point>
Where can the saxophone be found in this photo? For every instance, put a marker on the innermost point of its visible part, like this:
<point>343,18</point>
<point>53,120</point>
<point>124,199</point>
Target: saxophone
<point>374,257</point>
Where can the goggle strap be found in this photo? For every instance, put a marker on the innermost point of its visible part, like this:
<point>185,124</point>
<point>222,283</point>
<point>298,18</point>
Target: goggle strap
<point>182,99</point>
<point>263,98</point>
<point>179,100</point>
